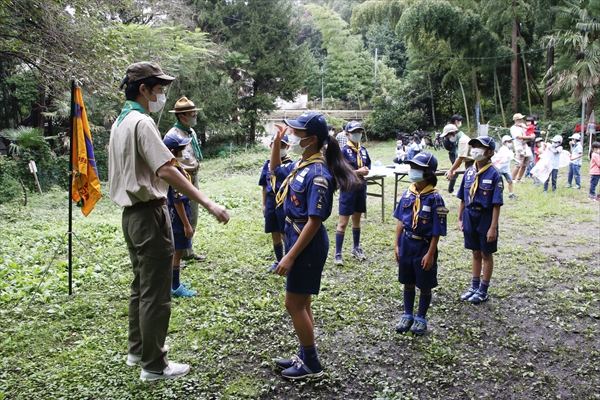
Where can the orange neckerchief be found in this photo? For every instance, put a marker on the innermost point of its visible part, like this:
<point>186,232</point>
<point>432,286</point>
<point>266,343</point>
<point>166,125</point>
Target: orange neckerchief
<point>417,206</point>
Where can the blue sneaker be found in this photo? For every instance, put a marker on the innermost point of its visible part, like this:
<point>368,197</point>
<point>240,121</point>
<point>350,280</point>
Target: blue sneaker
<point>186,284</point>
<point>273,267</point>
<point>467,295</point>
<point>406,321</point>
<point>287,362</point>
<point>479,297</point>
<point>419,326</point>
<point>300,371</point>
<point>182,292</point>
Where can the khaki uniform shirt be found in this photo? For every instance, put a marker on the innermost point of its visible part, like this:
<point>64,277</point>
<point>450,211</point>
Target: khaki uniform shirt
<point>136,152</point>
<point>190,163</point>
<point>464,150</point>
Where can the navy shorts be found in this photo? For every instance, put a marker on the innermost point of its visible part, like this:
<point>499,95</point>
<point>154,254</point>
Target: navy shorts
<point>275,220</point>
<point>305,275</point>
<point>475,227</point>
<point>354,201</point>
<point>507,176</point>
<point>181,242</point>
<point>410,271</point>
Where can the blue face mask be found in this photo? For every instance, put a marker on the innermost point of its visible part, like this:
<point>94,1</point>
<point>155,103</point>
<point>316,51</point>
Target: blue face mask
<point>415,175</point>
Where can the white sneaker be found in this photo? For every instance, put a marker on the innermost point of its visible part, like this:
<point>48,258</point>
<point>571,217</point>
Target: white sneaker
<point>134,359</point>
<point>173,370</point>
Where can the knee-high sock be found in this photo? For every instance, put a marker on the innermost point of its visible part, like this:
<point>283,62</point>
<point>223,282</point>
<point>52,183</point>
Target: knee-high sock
<point>176,275</point>
<point>409,301</point>
<point>356,236</point>
<point>339,241</point>
<point>424,302</point>
<point>278,251</point>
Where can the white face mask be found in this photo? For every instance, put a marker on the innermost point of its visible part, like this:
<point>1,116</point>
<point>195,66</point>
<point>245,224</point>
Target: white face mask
<point>452,139</point>
<point>179,159</point>
<point>508,144</point>
<point>458,124</point>
<point>190,121</point>
<point>478,154</point>
<point>415,175</point>
<point>355,137</point>
<point>156,106</point>
<point>282,153</point>
<point>295,146</point>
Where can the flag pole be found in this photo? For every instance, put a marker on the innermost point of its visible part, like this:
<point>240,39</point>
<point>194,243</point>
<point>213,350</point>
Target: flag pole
<point>72,146</point>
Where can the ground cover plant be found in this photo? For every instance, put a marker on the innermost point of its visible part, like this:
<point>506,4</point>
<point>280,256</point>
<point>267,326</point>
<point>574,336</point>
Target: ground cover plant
<point>537,338</point>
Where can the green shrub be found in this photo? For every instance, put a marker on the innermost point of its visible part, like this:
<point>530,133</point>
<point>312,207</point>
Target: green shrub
<point>10,188</point>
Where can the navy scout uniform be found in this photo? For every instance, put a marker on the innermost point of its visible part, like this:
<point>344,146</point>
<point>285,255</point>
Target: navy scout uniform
<point>356,200</point>
<point>275,216</point>
<point>173,196</point>
<point>310,192</point>
<point>477,216</point>
<point>414,241</point>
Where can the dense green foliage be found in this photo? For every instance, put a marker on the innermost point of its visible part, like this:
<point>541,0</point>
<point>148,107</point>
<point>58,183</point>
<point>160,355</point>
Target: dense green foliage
<point>236,58</point>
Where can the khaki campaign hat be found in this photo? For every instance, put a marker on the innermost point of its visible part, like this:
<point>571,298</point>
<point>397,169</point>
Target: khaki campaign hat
<point>144,69</point>
<point>184,105</point>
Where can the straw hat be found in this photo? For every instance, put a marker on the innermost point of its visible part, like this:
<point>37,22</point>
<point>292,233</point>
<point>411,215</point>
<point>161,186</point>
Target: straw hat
<point>184,105</point>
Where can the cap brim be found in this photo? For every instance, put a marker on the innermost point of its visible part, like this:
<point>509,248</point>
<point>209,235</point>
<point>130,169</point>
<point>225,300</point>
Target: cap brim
<point>476,140</point>
<point>165,77</point>
<point>293,123</point>
<point>362,130</point>
<point>186,110</point>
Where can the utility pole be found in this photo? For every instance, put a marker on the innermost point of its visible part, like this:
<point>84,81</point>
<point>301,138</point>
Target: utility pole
<point>322,91</point>
<point>375,77</point>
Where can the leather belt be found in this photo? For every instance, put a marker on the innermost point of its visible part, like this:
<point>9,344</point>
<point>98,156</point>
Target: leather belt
<point>149,203</point>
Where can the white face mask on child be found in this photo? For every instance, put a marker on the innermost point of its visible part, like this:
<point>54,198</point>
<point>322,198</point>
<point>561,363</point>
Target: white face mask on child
<point>415,175</point>
<point>478,154</point>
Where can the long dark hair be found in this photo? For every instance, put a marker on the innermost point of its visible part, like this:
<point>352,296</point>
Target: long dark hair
<point>344,177</point>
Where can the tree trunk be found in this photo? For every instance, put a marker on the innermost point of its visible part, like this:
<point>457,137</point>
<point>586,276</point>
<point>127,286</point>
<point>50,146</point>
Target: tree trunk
<point>547,96</point>
<point>3,76</point>
<point>514,66</point>
<point>432,102</point>
<point>465,102</point>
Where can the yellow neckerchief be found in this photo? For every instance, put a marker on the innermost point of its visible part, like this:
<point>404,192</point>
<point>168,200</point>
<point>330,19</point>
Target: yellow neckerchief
<point>356,148</point>
<point>274,178</point>
<point>475,184</point>
<point>283,190</point>
<point>417,206</point>
<point>183,171</point>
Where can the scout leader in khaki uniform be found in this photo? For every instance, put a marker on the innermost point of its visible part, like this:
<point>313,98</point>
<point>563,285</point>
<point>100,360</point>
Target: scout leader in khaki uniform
<point>186,113</point>
<point>140,170</point>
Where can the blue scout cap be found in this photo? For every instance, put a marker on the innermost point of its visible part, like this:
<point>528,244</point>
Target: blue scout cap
<point>284,139</point>
<point>486,141</point>
<point>354,126</point>
<point>174,140</point>
<point>424,159</point>
<point>312,122</point>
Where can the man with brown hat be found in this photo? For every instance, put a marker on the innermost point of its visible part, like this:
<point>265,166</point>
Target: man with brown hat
<point>140,170</point>
<point>186,113</point>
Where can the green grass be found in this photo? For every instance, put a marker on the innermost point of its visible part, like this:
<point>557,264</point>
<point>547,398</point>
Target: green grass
<point>537,338</point>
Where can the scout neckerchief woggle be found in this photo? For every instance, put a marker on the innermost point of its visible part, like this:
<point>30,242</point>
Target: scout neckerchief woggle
<point>475,184</point>
<point>284,160</point>
<point>417,206</point>
<point>356,148</point>
<point>283,190</point>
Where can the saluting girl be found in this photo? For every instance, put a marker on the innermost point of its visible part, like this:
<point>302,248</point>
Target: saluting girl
<point>307,196</point>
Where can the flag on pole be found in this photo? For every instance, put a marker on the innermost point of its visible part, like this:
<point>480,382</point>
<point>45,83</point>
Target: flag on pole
<point>85,188</point>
